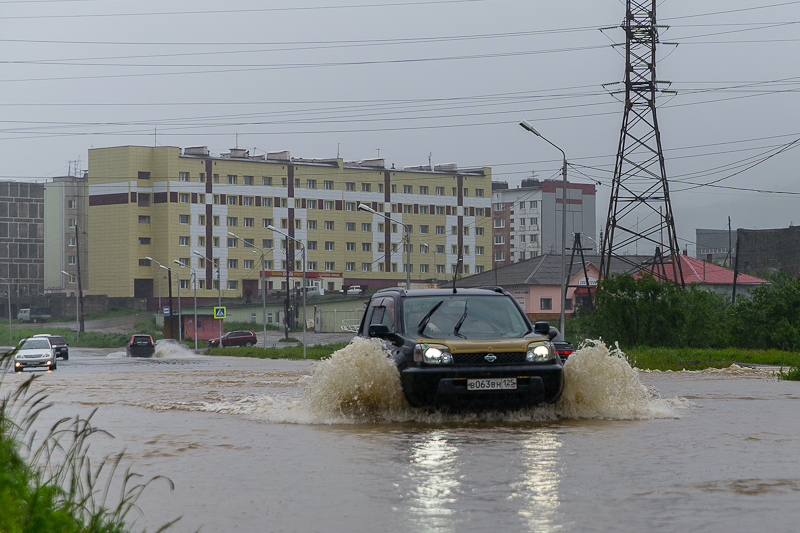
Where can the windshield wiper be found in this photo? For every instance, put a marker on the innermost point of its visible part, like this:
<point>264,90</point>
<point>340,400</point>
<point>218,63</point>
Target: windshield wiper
<point>424,322</point>
<point>461,321</point>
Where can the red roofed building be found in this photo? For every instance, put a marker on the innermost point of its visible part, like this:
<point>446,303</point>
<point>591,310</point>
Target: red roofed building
<point>714,277</point>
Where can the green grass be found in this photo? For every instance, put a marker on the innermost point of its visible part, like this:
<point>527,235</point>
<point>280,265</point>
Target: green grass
<point>318,351</point>
<point>698,359</point>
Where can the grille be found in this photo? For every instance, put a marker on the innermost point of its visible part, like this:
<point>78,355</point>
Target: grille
<point>479,358</point>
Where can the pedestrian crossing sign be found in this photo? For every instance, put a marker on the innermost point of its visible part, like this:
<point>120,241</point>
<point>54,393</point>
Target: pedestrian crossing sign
<point>219,312</point>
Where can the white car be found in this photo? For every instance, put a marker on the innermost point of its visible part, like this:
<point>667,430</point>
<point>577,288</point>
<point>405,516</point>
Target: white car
<point>35,352</point>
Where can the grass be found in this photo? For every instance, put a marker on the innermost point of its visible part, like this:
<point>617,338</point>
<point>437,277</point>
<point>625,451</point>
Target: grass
<point>318,351</point>
<point>49,483</point>
<point>699,359</point>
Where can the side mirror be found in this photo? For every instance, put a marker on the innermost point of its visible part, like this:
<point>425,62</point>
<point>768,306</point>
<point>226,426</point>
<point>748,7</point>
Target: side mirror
<point>542,327</point>
<point>379,330</point>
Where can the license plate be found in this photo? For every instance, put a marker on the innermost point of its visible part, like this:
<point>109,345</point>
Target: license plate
<point>492,384</point>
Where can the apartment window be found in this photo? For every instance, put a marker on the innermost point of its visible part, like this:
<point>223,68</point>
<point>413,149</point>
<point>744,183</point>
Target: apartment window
<point>453,230</point>
<point>266,222</point>
<point>266,243</point>
<point>201,198</point>
<point>423,189</point>
<point>233,284</point>
<point>329,224</point>
<point>201,220</point>
<point>283,182</point>
<point>233,242</point>
<point>465,230</point>
<point>440,210</point>
<point>71,241</point>
<point>311,204</point>
<point>349,206</point>
<point>143,175</point>
<point>350,226</point>
<point>144,219</point>
<point>408,208</point>
<point>440,248</point>
<point>311,224</point>
<point>439,230</point>
<point>298,203</point>
<point>232,179</point>
<point>73,260</point>
<point>233,263</point>
<point>311,245</point>
<point>233,221</point>
<point>380,267</point>
<point>394,267</point>
<point>381,247</point>
<point>266,201</point>
<point>423,210</point>
<point>248,201</point>
<point>284,223</point>
<point>142,263</point>
<point>328,205</point>
<point>349,266</point>
<point>408,189</point>
<point>144,240</point>
<point>311,265</point>
<point>232,199</point>
<point>366,246</point>
<point>366,226</point>
<point>479,269</point>
<point>72,222</point>
<point>464,192</point>
<point>328,184</point>
<point>328,246</point>
<point>497,206</point>
<point>466,249</point>
<point>365,187</point>
<point>366,267</point>
<point>72,204</point>
<point>454,249</point>
<point>534,204</point>
<point>183,176</point>
<point>455,192</point>
<point>499,239</point>
<point>479,232</point>
<point>423,248</point>
<point>349,186</point>
<point>330,265</point>
<point>311,184</point>
<point>465,268</point>
<point>183,219</point>
<point>499,223</point>
<point>215,242</point>
<point>478,211</point>
<point>380,227</point>
<point>499,256</point>
<point>545,304</point>
<point>479,193</point>
<point>479,250</point>
<point>380,189</point>
<point>201,240</point>
<point>439,191</point>
<point>440,269</point>
<point>298,224</point>
<point>535,221</point>
<point>423,269</point>
<point>216,199</point>
<point>248,222</point>
<point>216,178</point>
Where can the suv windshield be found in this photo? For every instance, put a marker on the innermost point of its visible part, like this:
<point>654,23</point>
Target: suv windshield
<point>464,317</point>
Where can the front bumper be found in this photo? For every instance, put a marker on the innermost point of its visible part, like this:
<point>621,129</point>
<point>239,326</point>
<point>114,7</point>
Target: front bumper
<point>33,363</point>
<point>446,386</point>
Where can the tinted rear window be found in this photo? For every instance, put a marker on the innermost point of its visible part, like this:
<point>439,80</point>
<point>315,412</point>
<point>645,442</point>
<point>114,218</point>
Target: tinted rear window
<point>57,340</point>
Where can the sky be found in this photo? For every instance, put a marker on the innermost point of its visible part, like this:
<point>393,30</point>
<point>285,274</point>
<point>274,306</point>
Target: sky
<point>412,82</point>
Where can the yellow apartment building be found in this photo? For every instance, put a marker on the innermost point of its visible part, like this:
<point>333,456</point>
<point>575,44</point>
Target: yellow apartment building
<point>171,204</point>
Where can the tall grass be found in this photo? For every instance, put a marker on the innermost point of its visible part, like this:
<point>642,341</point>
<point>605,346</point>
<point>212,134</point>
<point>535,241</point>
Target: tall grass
<point>49,482</point>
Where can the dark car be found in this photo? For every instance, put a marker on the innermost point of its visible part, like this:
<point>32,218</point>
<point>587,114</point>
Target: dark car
<point>563,348</point>
<point>60,346</point>
<point>235,338</point>
<point>464,348</point>
<point>140,345</point>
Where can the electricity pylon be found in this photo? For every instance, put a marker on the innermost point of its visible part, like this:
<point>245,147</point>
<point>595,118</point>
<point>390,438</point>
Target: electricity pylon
<point>640,212</point>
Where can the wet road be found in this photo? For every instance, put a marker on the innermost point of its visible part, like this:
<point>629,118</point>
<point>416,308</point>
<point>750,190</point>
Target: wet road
<point>256,445</point>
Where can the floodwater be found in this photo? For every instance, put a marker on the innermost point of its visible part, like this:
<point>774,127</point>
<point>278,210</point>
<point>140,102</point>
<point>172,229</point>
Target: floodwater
<point>282,446</point>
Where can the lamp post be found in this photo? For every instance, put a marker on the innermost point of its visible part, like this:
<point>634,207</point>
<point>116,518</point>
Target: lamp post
<point>303,256</point>
<point>527,126</point>
<point>407,229</point>
<point>77,310</point>
<point>263,283</point>
<point>180,316</point>
<point>219,288</point>
<point>159,283</point>
<point>193,275</point>
<point>8,293</point>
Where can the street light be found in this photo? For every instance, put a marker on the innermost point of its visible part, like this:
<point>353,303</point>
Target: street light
<point>180,316</point>
<point>194,275</point>
<point>527,126</point>
<point>263,282</point>
<point>77,311</point>
<point>159,283</point>
<point>8,293</point>
<point>407,229</point>
<point>303,256</point>
<point>219,288</point>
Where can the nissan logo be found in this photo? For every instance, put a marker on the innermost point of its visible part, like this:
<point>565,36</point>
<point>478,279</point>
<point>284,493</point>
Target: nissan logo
<point>491,358</point>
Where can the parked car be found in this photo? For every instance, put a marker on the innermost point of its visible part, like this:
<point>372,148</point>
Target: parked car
<point>563,348</point>
<point>140,345</point>
<point>60,345</point>
<point>34,352</point>
<point>464,348</point>
<point>33,315</point>
<point>234,338</point>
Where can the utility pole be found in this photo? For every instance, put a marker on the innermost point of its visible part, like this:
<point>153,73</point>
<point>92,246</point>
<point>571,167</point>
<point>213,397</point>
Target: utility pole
<point>78,285</point>
<point>640,189</point>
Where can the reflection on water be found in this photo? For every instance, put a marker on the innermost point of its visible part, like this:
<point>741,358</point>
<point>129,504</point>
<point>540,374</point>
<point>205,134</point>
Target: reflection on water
<point>434,483</point>
<point>540,484</point>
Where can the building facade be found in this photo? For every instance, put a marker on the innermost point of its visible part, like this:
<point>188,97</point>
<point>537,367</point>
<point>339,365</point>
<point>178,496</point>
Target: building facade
<point>22,240</point>
<point>715,245</point>
<point>527,220</point>
<point>65,244</point>
<point>213,214</point>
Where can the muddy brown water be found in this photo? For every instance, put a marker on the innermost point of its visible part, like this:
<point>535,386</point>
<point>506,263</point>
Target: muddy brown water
<point>286,446</point>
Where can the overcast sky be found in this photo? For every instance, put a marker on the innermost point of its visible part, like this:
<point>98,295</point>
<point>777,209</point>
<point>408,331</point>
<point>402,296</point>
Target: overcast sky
<point>447,80</point>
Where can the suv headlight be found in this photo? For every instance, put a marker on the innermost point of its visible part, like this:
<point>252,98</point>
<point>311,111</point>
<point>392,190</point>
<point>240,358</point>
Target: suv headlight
<point>433,354</point>
<point>540,352</point>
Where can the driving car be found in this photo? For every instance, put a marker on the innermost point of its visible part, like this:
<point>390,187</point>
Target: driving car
<point>34,352</point>
<point>563,348</point>
<point>60,345</point>
<point>140,345</point>
<point>234,338</point>
<point>464,348</point>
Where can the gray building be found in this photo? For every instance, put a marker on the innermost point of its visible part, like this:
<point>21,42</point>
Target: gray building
<point>65,211</point>
<point>769,249</point>
<point>22,239</point>
<point>715,245</point>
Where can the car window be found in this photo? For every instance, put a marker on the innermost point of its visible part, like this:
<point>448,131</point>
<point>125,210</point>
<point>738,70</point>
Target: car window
<point>464,316</point>
<point>36,344</point>
<point>57,340</point>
